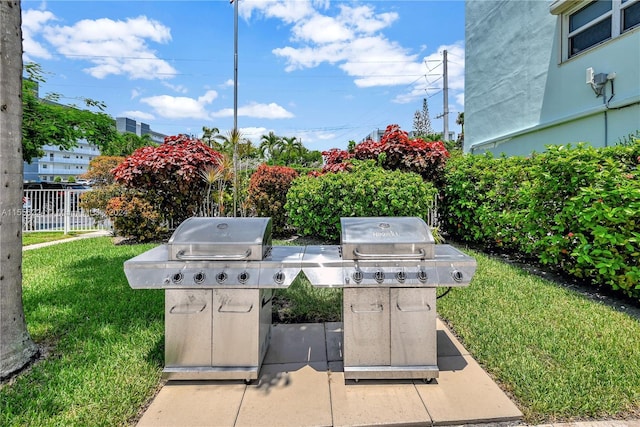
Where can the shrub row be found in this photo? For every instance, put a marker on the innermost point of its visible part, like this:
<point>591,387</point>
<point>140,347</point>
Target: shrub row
<point>315,204</point>
<point>571,207</point>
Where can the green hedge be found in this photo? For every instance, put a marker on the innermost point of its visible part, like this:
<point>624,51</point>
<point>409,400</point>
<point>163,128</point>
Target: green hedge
<point>316,204</point>
<point>577,208</point>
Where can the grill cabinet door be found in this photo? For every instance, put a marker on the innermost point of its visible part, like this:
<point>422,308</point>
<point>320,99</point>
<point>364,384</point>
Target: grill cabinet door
<point>366,326</point>
<point>187,327</point>
<point>413,326</point>
<point>235,327</point>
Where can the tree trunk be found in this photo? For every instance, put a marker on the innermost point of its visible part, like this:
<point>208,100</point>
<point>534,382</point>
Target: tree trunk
<point>16,347</point>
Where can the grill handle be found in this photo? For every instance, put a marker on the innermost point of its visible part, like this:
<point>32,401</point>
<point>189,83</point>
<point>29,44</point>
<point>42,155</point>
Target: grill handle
<point>187,309</point>
<point>234,309</point>
<point>181,256</point>
<point>420,255</point>
<point>426,307</point>
<point>377,308</point>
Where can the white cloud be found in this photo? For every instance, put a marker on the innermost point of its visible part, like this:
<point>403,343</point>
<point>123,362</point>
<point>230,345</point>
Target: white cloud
<point>138,115</point>
<point>113,47</point>
<point>255,110</point>
<point>433,81</point>
<point>289,11</point>
<point>181,107</point>
<point>354,40</point>
<point>228,83</point>
<point>322,29</point>
<point>135,93</point>
<point>365,20</point>
<point>176,88</point>
<point>253,133</point>
<point>33,21</point>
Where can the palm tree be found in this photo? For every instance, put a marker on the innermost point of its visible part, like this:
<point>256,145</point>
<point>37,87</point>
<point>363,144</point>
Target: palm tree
<point>291,149</point>
<point>213,138</point>
<point>460,121</point>
<point>269,145</point>
<point>16,347</point>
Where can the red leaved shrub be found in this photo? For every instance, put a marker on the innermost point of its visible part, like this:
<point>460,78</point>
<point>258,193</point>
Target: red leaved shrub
<point>268,189</point>
<point>134,216</point>
<point>394,151</point>
<point>170,174</point>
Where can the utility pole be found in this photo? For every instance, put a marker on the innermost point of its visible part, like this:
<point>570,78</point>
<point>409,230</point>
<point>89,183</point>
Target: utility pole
<point>234,135</point>
<point>445,102</point>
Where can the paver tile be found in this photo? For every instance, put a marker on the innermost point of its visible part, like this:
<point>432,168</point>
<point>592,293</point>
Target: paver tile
<point>465,394</point>
<point>333,333</point>
<point>291,343</point>
<point>375,403</point>
<point>201,403</point>
<point>294,395</point>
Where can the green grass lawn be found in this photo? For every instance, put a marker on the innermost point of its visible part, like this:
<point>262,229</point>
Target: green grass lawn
<point>558,354</point>
<point>45,236</point>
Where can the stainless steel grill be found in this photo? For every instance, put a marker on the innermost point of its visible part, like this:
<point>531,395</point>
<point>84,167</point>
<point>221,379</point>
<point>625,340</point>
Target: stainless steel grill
<point>219,275</point>
<point>389,268</point>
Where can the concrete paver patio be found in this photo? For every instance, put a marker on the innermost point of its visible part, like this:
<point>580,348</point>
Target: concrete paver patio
<point>302,384</point>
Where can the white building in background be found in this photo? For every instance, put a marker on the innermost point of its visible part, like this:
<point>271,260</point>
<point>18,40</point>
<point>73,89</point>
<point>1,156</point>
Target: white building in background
<point>550,72</point>
<point>62,163</point>
<point>65,163</point>
<point>125,124</point>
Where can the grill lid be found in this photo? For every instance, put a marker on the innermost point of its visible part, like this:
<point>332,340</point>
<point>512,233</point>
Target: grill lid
<point>386,238</point>
<point>219,238</point>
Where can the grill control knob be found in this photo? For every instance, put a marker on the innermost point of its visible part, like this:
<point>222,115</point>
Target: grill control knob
<point>401,276</point>
<point>379,276</point>
<point>243,277</point>
<point>279,278</point>
<point>221,277</point>
<point>457,275</point>
<point>199,277</point>
<point>357,276</point>
<point>422,276</point>
<point>177,278</point>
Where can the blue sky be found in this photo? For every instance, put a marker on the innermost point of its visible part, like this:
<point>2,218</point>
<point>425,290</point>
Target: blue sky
<point>325,71</point>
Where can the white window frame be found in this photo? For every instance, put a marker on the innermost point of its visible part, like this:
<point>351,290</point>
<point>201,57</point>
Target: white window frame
<point>565,8</point>
<point>623,6</point>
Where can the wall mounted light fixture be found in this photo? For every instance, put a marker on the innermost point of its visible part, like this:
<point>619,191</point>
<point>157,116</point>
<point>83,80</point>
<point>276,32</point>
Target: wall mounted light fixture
<point>598,81</point>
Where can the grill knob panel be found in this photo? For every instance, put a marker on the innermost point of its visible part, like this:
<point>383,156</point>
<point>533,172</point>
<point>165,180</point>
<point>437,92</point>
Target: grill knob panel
<point>199,277</point>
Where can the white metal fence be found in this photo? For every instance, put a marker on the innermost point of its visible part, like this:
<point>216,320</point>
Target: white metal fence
<point>433,220</point>
<point>58,210</point>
